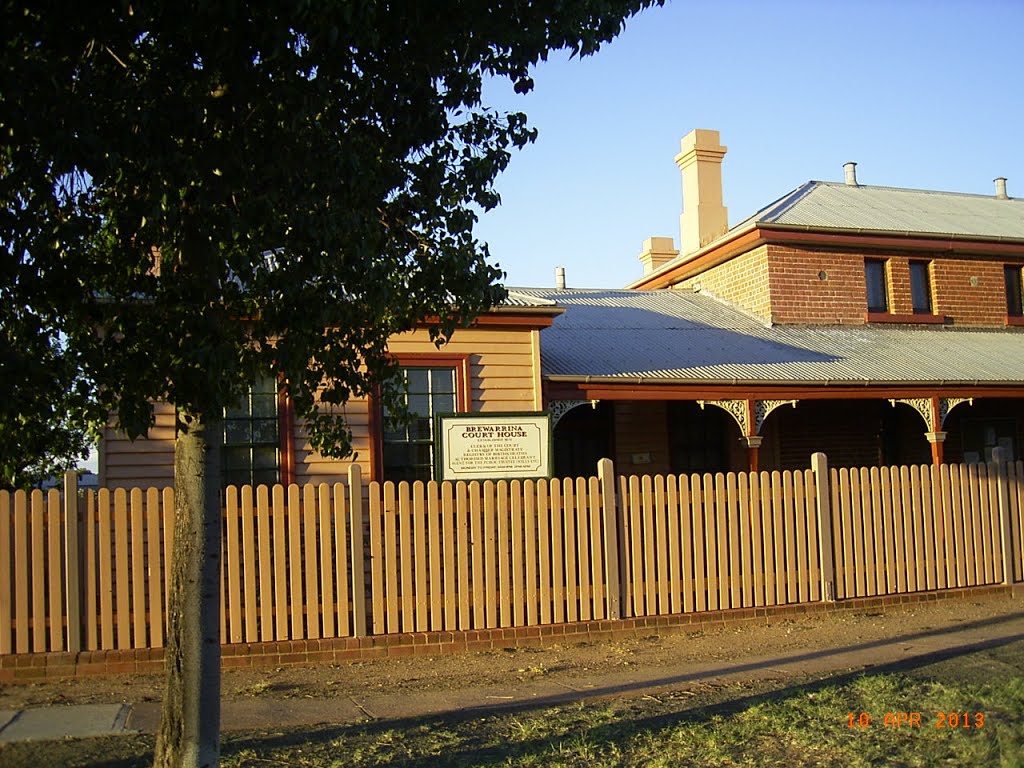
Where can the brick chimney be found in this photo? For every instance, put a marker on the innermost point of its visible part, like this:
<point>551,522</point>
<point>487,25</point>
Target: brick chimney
<point>704,217</point>
<point>657,252</point>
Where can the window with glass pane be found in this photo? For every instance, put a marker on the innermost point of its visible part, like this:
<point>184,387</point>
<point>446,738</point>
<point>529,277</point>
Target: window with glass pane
<point>1014,300</point>
<point>920,288</point>
<point>252,444</point>
<point>877,290</point>
<point>409,448</point>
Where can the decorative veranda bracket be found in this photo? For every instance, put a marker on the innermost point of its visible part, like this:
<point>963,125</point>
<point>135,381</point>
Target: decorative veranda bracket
<point>735,408</point>
<point>764,407</point>
<point>947,404</point>
<point>922,405</point>
<point>558,408</point>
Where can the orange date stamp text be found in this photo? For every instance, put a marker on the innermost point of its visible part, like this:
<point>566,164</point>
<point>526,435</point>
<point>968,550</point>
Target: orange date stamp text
<point>948,720</point>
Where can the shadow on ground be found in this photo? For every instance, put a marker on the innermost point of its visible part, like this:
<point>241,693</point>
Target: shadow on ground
<point>496,735</point>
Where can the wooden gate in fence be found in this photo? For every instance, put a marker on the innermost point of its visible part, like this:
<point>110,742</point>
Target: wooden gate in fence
<point>354,559</point>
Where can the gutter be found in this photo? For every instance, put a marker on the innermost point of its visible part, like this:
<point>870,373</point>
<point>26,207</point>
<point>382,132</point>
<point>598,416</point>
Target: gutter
<point>733,382</point>
<point>951,236</point>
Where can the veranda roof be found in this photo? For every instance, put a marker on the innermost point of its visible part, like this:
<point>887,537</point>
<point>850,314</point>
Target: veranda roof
<point>677,336</point>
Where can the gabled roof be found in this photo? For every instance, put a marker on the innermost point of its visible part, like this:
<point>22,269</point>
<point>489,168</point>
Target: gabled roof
<point>671,336</point>
<point>836,206</point>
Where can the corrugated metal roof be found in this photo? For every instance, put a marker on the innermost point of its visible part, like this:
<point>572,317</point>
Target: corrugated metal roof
<point>686,336</point>
<point>516,299</point>
<point>890,209</point>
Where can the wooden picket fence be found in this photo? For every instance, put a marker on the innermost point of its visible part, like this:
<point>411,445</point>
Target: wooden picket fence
<point>353,559</point>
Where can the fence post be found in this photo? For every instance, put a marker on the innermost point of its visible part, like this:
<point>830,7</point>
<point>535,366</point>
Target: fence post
<point>72,571</point>
<point>606,479</point>
<point>823,502</point>
<point>1005,531</point>
<point>356,517</point>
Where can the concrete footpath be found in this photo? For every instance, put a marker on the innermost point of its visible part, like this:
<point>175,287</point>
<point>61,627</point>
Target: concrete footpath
<point>265,712</point>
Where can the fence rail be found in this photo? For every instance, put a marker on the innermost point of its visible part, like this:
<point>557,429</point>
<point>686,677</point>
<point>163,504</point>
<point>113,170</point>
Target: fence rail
<point>88,571</point>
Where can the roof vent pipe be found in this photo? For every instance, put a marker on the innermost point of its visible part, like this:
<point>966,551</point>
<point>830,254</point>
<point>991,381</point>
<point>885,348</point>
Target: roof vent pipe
<point>850,169</point>
<point>1001,188</point>
<point>560,277</point>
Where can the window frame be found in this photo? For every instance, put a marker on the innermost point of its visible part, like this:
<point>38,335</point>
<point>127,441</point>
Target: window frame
<point>458,363</point>
<point>1014,274</point>
<point>922,269</point>
<point>284,442</point>
<point>883,284</point>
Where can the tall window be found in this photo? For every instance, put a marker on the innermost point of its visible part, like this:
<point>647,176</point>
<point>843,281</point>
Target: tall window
<point>252,446</point>
<point>1014,305</point>
<point>920,288</point>
<point>408,449</point>
<point>877,288</point>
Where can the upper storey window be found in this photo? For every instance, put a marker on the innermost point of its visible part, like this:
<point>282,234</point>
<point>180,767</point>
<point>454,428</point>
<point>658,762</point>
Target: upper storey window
<point>1014,305</point>
<point>877,286</point>
<point>920,288</point>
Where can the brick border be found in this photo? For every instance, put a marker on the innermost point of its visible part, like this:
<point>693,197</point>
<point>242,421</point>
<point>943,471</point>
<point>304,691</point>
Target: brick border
<point>32,668</point>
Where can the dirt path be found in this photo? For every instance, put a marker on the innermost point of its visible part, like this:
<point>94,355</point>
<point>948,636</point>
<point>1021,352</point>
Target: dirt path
<point>566,664</point>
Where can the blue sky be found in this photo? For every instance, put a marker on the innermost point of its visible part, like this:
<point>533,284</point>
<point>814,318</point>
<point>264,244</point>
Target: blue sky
<point>928,95</point>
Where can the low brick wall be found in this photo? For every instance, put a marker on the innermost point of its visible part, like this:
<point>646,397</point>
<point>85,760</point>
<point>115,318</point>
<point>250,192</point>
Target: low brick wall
<point>31,668</point>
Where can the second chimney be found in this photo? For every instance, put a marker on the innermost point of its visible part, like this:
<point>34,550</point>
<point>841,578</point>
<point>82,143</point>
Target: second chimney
<point>1001,188</point>
<point>850,171</point>
<point>704,217</point>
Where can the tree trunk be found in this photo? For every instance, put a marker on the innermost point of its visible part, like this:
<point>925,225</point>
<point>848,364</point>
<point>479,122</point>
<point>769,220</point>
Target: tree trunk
<point>189,734</point>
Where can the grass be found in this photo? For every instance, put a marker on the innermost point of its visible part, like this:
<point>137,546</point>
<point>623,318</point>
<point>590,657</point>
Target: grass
<point>758,724</point>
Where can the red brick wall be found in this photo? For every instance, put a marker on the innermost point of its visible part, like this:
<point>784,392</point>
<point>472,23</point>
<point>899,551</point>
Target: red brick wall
<point>742,281</point>
<point>969,291</point>
<point>800,293</point>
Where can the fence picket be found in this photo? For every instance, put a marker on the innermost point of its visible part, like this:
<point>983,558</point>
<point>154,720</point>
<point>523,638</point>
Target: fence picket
<point>6,572</point>
<point>792,568</point>
<point>960,549</point>
<point>768,542</point>
<point>504,544</point>
<point>416,509</point>
<point>37,570</point>
<point>233,566</point>
<point>803,577</point>
<point>344,602</point>
<point>757,539</point>
<point>55,573</point>
<point>250,623</point>
<point>721,538</point>
<point>136,537</point>
<point>490,585</point>
<point>434,555</point>
<point>329,600</point>
<point>266,573</point>
<point>462,527</point>
<point>700,582</point>
<point>518,570</point>
<point>734,570</point>
<point>531,545</point>
<point>582,524</point>
<point>310,606</point>
<point>597,576</point>
<point>544,542</point>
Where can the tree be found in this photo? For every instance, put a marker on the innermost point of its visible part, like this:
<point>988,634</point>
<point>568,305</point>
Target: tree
<point>47,421</point>
<point>195,193</point>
